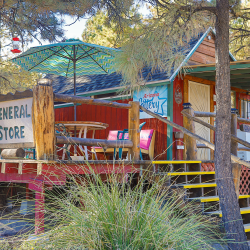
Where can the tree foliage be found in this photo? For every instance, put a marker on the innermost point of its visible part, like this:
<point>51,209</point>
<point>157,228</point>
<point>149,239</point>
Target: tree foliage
<point>13,78</point>
<point>102,31</point>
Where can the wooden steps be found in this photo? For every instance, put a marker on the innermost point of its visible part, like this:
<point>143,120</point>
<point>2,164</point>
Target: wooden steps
<point>247,227</point>
<point>213,198</point>
<point>243,210</point>
<point>190,173</point>
<point>196,185</point>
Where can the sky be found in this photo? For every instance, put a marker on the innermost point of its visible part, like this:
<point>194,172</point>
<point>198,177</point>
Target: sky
<point>75,30</point>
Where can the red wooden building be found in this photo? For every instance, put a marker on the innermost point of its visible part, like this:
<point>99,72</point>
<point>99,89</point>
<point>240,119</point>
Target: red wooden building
<point>162,94</point>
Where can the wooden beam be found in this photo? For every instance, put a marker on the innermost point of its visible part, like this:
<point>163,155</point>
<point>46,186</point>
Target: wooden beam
<point>91,101</point>
<point>204,114</point>
<point>244,120</point>
<point>212,119</point>
<point>13,153</point>
<point>44,121</point>
<point>95,142</point>
<point>233,137</point>
<point>239,90</point>
<point>199,80</point>
<point>236,168</point>
<point>3,167</point>
<point>243,149</point>
<point>134,131</point>
<point>20,168</point>
<point>197,137</point>
<point>190,152</point>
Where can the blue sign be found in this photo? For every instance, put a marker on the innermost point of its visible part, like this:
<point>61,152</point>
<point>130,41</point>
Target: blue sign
<point>154,99</point>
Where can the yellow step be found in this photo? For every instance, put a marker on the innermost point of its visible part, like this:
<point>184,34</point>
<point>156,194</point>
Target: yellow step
<point>197,185</point>
<point>190,173</point>
<point>174,162</point>
<point>244,210</point>
<point>247,227</point>
<point>214,198</point>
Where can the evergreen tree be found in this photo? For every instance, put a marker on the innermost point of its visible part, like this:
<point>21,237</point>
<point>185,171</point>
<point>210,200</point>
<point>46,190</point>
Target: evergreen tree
<point>100,30</point>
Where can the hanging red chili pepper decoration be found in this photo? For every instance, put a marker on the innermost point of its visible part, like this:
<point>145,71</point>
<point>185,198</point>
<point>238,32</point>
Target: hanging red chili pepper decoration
<point>15,49</point>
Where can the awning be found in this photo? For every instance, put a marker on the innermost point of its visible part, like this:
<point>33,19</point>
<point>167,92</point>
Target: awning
<point>239,73</point>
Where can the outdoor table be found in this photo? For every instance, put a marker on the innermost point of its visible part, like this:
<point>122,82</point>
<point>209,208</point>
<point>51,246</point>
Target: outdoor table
<point>83,127</point>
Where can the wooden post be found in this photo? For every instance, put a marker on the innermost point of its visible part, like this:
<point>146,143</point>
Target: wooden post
<point>44,120</point>
<point>134,131</point>
<point>236,168</point>
<point>190,152</point>
<point>39,210</point>
<point>211,119</point>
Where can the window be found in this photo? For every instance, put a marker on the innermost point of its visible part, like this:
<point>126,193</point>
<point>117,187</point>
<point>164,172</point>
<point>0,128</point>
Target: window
<point>233,99</point>
<point>245,109</point>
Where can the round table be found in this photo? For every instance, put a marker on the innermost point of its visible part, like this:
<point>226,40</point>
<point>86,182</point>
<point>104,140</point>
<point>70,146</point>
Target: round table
<point>82,127</point>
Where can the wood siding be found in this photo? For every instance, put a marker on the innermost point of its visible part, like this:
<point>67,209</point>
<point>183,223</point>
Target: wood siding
<point>205,53</point>
<point>117,120</point>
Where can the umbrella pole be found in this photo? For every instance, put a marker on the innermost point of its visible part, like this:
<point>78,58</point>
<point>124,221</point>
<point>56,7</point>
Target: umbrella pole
<point>74,63</point>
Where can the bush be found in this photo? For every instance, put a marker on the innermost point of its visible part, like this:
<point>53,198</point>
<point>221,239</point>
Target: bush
<point>94,214</point>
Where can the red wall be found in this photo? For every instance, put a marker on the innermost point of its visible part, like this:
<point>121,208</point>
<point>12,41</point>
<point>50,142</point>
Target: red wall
<point>177,116</point>
<point>117,119</point>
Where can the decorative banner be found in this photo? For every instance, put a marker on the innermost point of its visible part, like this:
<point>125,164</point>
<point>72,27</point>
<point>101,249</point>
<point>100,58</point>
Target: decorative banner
<point>16,123</point>
<point>154,99</point>
<point>178,94</point>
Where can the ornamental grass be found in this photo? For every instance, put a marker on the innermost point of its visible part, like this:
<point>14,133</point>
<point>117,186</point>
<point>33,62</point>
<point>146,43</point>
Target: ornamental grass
<point>93,213</point>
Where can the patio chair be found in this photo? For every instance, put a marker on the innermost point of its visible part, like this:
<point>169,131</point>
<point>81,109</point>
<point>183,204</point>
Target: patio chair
<point>147,142</point>
<point>123,135</point>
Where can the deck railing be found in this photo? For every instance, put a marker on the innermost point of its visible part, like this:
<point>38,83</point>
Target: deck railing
<point>46,146</point>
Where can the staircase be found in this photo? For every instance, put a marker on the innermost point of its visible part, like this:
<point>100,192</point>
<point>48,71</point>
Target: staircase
<point>200,187</point>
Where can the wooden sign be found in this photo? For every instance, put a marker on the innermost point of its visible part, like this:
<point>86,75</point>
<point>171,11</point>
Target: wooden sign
<point>16,129</point>
<point>245,128</point>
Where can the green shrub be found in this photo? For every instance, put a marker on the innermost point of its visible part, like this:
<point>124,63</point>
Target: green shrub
<point>94,214</point>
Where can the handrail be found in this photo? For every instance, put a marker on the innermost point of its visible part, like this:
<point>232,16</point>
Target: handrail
<point>239,148</point>
<point>94,142</point>
<point>233,137</point>
<point>204,114</point>
<point>187,132</point>
<point>210,114</point>
<point>243,120</point>
<point>88,100</point>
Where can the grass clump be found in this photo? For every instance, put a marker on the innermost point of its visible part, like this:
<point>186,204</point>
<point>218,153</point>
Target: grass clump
<point>111,214</point>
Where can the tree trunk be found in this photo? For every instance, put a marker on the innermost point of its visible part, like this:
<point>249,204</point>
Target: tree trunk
<point>224,178</point>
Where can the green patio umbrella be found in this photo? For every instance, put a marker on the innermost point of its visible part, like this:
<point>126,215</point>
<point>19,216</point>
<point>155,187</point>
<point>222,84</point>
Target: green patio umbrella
<point>69,58</point>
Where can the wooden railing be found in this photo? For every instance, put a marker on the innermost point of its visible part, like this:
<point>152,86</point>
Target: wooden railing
<point>44,124</point>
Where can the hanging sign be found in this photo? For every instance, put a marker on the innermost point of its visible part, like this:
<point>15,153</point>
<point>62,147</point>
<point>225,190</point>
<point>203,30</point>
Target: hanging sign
<point>154,99</point>
<point>16,123</point>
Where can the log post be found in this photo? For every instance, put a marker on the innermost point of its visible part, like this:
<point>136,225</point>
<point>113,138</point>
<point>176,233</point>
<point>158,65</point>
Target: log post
<point>190,152</point>
<point>13,153</point>
<point>44,120</point>
<point>236,168</point>
<point>134,131</point>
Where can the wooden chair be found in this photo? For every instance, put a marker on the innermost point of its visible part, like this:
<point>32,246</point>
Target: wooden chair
<point>147,143</point>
